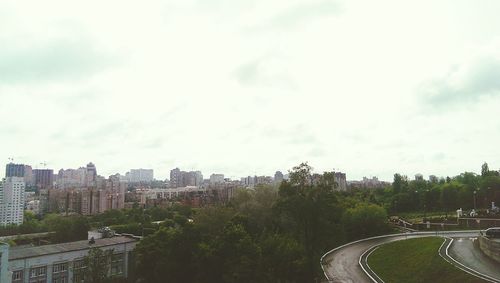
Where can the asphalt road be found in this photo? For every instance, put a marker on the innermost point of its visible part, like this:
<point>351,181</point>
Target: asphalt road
<point>465,251</point>
<point>342,264</point>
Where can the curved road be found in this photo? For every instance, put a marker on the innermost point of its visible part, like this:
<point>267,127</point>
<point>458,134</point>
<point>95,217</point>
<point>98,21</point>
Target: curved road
<point>342,264</point>
<point>466,251</point>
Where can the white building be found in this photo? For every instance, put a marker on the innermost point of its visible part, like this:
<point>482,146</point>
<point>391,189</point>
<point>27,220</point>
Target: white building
<point>216,179</point>
<point>33,206</point>
<point>140,175</point>
<point>12,200</point>
<point>62,262</point>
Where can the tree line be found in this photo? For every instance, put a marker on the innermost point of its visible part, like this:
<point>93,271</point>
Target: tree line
<point>466,191</point>
<point>264,235</point>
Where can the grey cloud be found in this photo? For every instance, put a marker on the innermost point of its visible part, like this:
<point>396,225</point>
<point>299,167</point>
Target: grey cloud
<point>439,156</point>
<point>466,83</point>
<point>299,14</point>
<point>58,60</point>
<point>317,151</point>
<point>304,12</point>
<point>256,73</point>
<point>297,135</point>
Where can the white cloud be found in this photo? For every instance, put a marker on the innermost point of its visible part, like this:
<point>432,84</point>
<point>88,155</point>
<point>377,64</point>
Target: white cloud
<point>247,87</point>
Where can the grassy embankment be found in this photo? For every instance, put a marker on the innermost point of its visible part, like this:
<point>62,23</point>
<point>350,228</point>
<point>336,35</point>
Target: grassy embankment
<point>415,260</point>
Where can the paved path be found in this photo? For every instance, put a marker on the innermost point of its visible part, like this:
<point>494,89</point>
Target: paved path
<point>466,251</point>
<point>342,264</point>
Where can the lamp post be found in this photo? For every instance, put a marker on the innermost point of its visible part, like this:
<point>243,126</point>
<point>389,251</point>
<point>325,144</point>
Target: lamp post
<point>488,196</point>
<point>475,192</point>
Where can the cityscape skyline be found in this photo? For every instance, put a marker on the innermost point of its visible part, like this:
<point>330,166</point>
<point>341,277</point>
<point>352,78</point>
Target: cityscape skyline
<point>252,87</point>
<point>152,173</point>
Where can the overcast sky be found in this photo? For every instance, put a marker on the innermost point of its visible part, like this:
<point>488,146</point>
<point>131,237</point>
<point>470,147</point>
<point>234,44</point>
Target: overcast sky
<point>249,87</point>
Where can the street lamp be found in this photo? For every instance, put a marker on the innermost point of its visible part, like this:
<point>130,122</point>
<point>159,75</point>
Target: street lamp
<point>488,195</point>
<point>475,192</point>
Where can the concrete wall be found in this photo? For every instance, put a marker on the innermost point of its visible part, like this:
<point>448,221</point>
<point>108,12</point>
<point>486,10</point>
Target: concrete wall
<point>49,260</point>
<point>491,247</point>
<point>4,263</point>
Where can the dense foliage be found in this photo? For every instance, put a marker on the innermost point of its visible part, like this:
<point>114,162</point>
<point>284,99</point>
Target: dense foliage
<point>264,235</point>
<point>466,191</point>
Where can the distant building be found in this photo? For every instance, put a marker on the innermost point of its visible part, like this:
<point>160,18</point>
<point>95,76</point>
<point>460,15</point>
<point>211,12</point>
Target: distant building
<point>175,178</point>
<point>63,262</point>
<point>20,170</point>
<point>14,170</point>
<point>28,175</point>
<point>419,177</point>
<point>179,179</point>
<point>71,178</point>
<point>340,179</point>
<point>433,179</point>
<point>190,195</point>
<point>140,175</point>
<point>12,200</point>
<point>216,179</point>
<point>91,174</point>
<point>368,183</point>
<point>278,177</point>
<point>107,194</point>
<point>252,181</point>
<point>33,206</point>
<point>44,178</point>
<point>191,178</point>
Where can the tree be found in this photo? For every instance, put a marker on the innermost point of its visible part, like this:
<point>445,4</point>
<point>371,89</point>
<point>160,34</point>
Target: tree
<point>67,228</point>
<point>485,169</point>
<point>98,263</point>
<point>283,259</point>
<point>231,256</point>
<point>365,220</point>
<point>400,184</point>
<point>168,255</point>
<point>311,213</point>
<point>449,196</point>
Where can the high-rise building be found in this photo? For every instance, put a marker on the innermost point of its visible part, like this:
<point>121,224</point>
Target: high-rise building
<point>340,179</point>
<point>20,170</point>
<point>140,175</point>
<point>175,178</point>
<point>91,174</point>
<point>198,178</point>
<point>216,179</point>
<point>67,178</point>
<point>44,178</point>
<point>191,178</point>
<point>278,177</point>
<point>14,170</point>
<point>28,175</point>
<point>12,200</point>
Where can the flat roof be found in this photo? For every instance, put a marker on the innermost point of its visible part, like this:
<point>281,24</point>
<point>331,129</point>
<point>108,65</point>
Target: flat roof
<point>35,251</point>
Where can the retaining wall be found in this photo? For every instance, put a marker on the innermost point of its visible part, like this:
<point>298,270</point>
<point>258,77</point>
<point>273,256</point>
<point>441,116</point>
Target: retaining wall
<point>491,247</point>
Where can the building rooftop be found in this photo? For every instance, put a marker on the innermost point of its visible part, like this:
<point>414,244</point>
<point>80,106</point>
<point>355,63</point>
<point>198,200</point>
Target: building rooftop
<point>27,252</point>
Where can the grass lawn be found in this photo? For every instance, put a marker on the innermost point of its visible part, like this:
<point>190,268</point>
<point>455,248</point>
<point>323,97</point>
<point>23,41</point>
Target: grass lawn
<point>415,260</point>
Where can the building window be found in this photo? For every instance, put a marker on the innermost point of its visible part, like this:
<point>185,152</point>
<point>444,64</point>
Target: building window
<point>79,269</point>
<point>60,267</point>
<point>117,262</point>
<point>38,274</point>
<point>60,272</point>
<point>17,276</point>
<point>38,271</point>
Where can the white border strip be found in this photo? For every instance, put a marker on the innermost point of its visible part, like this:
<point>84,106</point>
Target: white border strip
<point>370,250</point>
<point>466,268</point>
<point>437,233</point>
